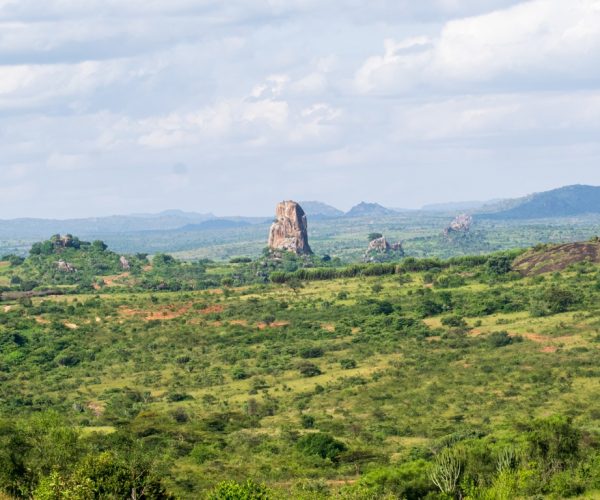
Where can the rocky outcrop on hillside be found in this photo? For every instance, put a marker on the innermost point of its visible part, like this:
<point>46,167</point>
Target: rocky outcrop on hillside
<point>380,250</point>
<point>461,224</point>
<point>289,231</point>
<point>65,267</point>
<point>124,263</point>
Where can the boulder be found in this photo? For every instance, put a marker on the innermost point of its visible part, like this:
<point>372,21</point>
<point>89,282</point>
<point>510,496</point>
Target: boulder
<point>124,263</point>
<point>289,231</point>
<point>461,224</point>
<point>380,250</point>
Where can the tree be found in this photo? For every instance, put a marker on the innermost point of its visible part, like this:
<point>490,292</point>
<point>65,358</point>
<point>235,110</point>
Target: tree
<point>99,246</point>
<point>497,265</point>
<point>321,444</point>
<point>374,236</point>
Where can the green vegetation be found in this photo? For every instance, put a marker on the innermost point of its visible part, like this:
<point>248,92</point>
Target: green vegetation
<point>424,378</point>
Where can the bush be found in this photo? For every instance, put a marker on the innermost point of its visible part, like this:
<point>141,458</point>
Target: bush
<point>232,490</point>
<point>552,300</point>
<point>311,352</point>
<point>347,364</point>
<point>309,370</point>
<point>501,339</point>
<point>407,481</point>
<point>321,444</point>
<point>454,322</point>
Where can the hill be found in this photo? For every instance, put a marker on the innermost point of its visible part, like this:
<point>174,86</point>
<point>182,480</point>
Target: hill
<point>215,224</point>
<point>38,228</point>
<point>551,258</point>
<point>319,209</point>
<point>364,381</point>
<point>563,202</point>
<point>364,209</point>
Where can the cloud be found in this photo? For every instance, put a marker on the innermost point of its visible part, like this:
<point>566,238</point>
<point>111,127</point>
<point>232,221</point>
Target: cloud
<point>538,44</point>
<point>254,98</point>
<point>520,118</point>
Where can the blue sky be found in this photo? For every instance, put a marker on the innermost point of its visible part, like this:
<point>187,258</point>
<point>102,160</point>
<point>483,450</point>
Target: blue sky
<point>118,106</point>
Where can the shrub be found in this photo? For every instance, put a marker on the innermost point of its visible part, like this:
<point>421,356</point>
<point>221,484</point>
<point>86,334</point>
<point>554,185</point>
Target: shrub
<point>348,364</point>
<point>311,352</point>
<point>321,444</point>
<point>454,322</point>
<point>309,370</point>
<point>232,490</point>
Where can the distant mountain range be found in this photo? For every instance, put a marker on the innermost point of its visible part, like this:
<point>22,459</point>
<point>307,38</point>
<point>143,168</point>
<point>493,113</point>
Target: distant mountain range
<point>318,209</point>
<point>567,201</point>
<point>458,206</point>
<point>563,202</point>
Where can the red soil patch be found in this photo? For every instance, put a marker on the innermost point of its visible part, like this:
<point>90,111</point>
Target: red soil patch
<point>550,348</point>
<point>536,337</point>
<point>328,327</point>
<point>241,322</point>
<point>41,321</point>
<point>110,281</point>
<point>275,324</point>
<point>215,308</point>
<point>167,314</point>
<point>164,313</point>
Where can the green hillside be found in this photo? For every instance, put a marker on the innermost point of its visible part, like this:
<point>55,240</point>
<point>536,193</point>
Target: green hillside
<point>423,378</point>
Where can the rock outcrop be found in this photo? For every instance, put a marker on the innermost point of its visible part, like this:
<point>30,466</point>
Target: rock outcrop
<point>380,250</point>
<point>124,263</point>
<point>65,267</point>
<point>289,231</point>
<point>461,224</point>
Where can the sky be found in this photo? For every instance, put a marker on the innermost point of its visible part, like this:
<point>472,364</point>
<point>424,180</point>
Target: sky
<point>128,106</point>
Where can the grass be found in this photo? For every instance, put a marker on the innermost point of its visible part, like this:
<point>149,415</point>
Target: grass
<point>224,374</point>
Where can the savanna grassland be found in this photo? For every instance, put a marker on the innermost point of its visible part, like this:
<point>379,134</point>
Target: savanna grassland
<point>424,378</point>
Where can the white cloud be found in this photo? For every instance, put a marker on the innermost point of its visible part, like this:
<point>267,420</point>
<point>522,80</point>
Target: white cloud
<point>537,42</point>
<point>564,116</point>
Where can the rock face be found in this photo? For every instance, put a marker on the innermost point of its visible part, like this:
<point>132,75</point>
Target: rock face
<point>65,267</point>
<point>124,263</point>
<point>289,231</point>
<point>380,250</point>
<point>461,224</point>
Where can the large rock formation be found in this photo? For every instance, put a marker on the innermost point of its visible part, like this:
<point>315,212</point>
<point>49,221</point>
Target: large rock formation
<point>380,250</point>
<point>289,230</point>
<point>461,224</point>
